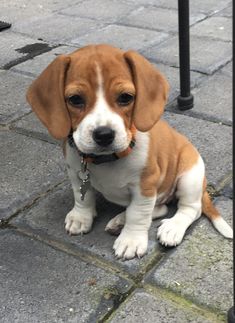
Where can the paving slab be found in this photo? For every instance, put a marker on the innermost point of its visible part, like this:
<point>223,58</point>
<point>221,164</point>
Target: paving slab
<point>15,11</point>
<point>155,18</point>
<point>29,167</point>
<point>57,28</point>
<point>122,36</point>
<point>31,126</point>
<point>227,69</point>
<point>227,12</point>
<point>200,269</point>
<point>12,92</point>
<point>33,67</point>
<point>13,47</point>
<point>172,75</point>
<point>209,138</point>
<point>143,307</point>
<point>216,53</point>
<point>214,28</point>
<point>108,11</point>
<point>41,284</point>
<point>200,6</point>
<point>47,217</point>
<point>213,99</point>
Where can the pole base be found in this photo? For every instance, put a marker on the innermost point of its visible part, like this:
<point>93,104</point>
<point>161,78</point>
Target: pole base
<point>231,315</point>
<point>185,102</point>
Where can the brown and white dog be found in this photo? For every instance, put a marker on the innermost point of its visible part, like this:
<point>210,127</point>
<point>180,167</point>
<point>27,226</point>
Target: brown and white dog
<point>108,103</point>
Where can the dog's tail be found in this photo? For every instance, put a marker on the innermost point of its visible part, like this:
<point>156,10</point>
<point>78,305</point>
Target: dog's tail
<point>213,214</point>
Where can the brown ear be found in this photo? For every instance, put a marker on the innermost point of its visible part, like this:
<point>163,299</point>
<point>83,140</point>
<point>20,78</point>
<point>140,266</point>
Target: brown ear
<point>151,91</point>
<point>46,97</point>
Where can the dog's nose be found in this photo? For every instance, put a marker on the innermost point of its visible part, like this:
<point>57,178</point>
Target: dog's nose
<point>103,136</point>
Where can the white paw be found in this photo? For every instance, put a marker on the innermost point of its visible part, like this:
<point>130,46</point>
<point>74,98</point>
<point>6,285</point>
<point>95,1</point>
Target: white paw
<point>171,232</point>
<point>130,244</point>
<point>76,222</point>
<point>116,224</point>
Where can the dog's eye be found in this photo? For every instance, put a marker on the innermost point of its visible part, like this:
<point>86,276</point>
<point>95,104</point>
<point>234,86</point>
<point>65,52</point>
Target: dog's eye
<point>77,101</point>
<point>125,99</point>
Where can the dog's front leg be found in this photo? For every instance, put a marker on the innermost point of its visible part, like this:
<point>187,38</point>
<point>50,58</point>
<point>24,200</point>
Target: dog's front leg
<point>80,218</point>
<point>133,239</point>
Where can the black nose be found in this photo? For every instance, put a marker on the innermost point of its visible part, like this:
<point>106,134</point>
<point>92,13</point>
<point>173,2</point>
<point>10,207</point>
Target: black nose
<point>103,136</point>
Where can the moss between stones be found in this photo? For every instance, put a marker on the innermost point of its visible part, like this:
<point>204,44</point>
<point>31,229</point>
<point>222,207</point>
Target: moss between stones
<point>180,302</point>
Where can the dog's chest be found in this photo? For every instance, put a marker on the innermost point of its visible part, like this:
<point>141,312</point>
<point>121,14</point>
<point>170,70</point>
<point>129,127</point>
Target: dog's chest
<point>114,180</point>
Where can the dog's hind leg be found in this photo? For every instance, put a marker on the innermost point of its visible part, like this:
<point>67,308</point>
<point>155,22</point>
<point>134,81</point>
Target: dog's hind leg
<point>189,192</point>
<point>159,211</point>
<point>116,224</point>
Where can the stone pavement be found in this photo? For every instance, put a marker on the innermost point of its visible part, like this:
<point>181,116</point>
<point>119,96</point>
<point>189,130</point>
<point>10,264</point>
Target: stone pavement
<point>48,276</point>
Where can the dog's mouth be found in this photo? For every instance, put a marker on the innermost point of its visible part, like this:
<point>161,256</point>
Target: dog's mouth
<point>108,150</point>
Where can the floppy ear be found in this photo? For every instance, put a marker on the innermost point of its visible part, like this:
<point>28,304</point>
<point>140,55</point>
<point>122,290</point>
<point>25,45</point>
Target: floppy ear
<point>46,97</point>
<point>151,91</point>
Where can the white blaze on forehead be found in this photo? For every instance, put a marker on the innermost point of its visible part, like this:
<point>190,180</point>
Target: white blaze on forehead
<point>102,113</point>
<point>100,116</point>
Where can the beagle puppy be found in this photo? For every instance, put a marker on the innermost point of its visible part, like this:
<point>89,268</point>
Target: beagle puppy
<point>106,105</point>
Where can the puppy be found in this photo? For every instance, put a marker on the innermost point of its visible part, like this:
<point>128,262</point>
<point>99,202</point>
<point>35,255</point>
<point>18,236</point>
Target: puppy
<point>106,104</point>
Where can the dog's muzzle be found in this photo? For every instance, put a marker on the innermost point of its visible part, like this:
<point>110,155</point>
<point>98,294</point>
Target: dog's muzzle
<point>103,136</point>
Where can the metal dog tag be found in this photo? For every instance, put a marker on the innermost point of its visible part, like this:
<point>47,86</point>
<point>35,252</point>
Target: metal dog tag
<point>84,186</point>
<point>84,176</point>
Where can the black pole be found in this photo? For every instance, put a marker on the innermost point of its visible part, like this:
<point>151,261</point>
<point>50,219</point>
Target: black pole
<point>185,99</point>
<point>231,312</point>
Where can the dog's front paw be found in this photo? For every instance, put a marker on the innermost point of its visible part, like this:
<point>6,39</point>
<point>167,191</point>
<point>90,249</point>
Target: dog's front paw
<point>78,222</point>
<point>130,244</point>
<point>171,232</point>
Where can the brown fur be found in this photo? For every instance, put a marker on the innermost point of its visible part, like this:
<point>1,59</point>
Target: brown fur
<point>170,154</point>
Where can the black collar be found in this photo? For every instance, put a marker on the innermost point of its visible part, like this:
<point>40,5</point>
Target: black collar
<point>97,159</point>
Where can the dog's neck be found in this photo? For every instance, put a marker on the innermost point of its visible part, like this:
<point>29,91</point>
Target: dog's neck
<point>101,159</point>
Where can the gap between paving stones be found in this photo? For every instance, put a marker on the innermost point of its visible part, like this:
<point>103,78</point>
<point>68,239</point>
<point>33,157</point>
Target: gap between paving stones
<point>156,61</point>
<point>185,301</point>
<point>173,107</point>
<point>208,312</point>
<point>118,299</point>
<point>212,73</point>
<point>170,32</point>
<point>34,134</point>
<point>225,180</point>
<point>5,222</point>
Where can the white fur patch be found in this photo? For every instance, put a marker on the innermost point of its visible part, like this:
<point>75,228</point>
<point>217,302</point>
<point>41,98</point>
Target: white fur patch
<point>223,227</point>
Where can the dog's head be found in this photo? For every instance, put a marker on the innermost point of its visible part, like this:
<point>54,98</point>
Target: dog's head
<point>99,92</point>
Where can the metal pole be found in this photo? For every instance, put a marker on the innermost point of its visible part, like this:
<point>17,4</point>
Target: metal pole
<point>185,99</point>
<point>231,312</point>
